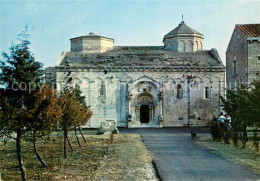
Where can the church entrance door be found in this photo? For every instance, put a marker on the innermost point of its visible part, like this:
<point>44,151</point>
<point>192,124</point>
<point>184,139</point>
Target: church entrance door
<point>144,114</point>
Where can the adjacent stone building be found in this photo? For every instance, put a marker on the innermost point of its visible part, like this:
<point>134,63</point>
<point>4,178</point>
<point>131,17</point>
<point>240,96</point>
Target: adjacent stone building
<point>177,84</point>
<point>243,55</point>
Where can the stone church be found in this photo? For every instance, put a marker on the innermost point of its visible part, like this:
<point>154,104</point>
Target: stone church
<point>177,84</point>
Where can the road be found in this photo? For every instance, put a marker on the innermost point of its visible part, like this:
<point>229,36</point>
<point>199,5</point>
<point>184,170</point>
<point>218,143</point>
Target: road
<point>178,158</point>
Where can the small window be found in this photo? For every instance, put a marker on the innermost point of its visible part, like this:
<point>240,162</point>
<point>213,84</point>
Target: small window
<point>207,93</point>
<point>179,91</point>
<point>101,91</point>
<point>55,86</point>
<point>234,67</point>
<point>258,57</point>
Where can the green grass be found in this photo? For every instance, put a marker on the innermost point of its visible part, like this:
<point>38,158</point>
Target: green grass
<point>247,156</point>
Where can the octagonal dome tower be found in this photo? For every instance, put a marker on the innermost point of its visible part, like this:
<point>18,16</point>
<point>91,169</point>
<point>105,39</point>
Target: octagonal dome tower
<point>183,39</point>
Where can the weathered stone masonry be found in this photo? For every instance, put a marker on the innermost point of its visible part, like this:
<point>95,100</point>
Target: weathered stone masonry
<point>144,86</point>
<point>243,55</point>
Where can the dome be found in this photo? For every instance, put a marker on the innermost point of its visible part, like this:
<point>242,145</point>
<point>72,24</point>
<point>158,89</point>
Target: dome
<point>183,39</point>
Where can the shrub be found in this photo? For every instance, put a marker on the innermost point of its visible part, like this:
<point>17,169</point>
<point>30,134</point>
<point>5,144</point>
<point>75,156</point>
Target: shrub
<point>256,140</point>
<point>226,135</point>
<point>235,138</point>
<point>215,130</point>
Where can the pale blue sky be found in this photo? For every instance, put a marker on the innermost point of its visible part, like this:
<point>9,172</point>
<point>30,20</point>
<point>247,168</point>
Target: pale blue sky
<point>53,23</point>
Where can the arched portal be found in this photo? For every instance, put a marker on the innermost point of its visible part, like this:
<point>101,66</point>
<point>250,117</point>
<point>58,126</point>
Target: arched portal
<point>144,114</point>
<point>146,104</point>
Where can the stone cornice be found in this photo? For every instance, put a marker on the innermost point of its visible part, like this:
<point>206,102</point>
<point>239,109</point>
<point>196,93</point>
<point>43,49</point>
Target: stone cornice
<point>183,36</point>
<point>136,69</point>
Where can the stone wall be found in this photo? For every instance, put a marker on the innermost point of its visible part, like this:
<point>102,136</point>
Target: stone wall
<point>88,44</point>
<point>246,53</point>
<point>184,44</point>
<point>121,91</point>
<point>253,60</point>
<point>237,51</point>
<point>106,44</point>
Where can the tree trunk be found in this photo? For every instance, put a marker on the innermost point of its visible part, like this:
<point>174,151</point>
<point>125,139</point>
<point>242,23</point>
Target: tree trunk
<point>245,137</point>
<point>36,151</point>
<point>75,128</point>
<point>71,149</point>
<point>19,157</point>
<point>65,141</point>
<point>82,135</point>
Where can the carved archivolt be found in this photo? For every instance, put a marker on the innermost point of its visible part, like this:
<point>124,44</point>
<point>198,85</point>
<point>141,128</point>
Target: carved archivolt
<point>144,99</point>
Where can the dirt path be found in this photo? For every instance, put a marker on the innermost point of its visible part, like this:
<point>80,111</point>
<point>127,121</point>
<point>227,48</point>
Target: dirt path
<point>127,159</point>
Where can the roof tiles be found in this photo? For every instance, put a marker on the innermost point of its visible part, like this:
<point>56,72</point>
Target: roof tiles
<point>250,30</point>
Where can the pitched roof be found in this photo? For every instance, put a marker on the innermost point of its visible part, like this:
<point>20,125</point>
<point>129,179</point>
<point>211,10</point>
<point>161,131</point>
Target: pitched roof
<point>144,56</point>
<point>182,29</point>
<point>250,30</point>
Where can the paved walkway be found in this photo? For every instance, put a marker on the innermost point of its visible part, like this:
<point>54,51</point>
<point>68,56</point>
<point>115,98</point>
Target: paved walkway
<point>178,158</point>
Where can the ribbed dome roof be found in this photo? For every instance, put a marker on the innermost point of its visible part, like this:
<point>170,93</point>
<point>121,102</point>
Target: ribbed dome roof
<point>182,29</point>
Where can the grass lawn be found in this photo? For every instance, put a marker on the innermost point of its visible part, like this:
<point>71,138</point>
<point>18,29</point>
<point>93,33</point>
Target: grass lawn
<point>96,160</point>
<point>247,156</point>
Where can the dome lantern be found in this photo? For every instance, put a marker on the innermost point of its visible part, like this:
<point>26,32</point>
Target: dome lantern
<point>183,39</point>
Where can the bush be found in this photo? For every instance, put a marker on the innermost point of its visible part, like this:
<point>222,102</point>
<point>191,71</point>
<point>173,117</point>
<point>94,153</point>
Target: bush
<point>226,135</point>
<point>256,140</point>
<point>215,130</point>
<point>235,138</point>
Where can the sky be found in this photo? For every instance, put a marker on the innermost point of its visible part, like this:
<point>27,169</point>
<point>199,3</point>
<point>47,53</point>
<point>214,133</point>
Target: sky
<point>130,23</point>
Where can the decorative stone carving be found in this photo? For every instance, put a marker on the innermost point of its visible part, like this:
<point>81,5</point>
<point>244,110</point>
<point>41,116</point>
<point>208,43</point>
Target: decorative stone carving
<point>144,99</point>
<point>108,127</point>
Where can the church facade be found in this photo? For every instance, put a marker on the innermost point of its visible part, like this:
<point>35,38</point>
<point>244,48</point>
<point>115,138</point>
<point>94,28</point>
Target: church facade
<point>177,84</point>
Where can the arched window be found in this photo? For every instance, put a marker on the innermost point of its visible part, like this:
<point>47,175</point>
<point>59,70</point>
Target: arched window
<point>102,90</point>
<point>182,46</point>
<point>179,91</point>
<point>234,67</point>
<point>174,46</point>
<point>189,46</point>
<point>196,46</point>
<point>207,93</point>
<point>201,46</point>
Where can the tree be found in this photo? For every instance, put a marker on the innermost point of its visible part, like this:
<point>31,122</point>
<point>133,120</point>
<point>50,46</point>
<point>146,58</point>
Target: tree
<point>254,107</point>
<point>20,78</point>
<point>45,116</point>
<point>236,105</point>
<point>254,112</point>
<point>83,115</point>
<point>67,103</point>
<point>73,113</point>
<point>80,121</point>
<point>243,105</point>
